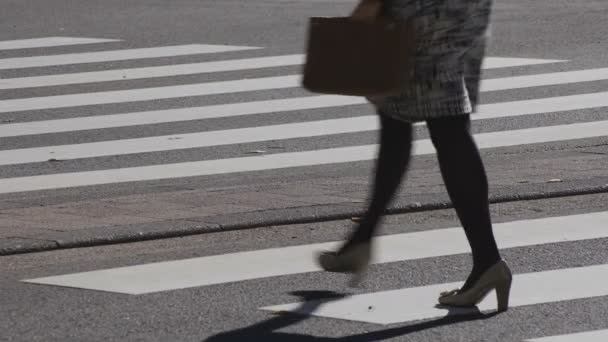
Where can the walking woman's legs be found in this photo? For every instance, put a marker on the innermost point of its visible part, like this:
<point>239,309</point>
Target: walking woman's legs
<point>393,159</point>
<point>467,185</point>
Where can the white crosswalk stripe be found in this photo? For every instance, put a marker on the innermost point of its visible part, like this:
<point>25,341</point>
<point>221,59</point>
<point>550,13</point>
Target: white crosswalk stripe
<point>150,72</point>
<point>567,284</point>
<point>257,84</point>
<point>116,55</point>
<point>261,163</point>
<point>487,111</point>
<point>200,68</point>
<point>287,131</point>
<point>588,336</point>
<point>249,265</point>
<point>28,139</point>
<point>49,42</point>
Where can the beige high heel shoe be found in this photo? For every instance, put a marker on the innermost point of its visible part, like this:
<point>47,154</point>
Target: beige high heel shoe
<point>355,260</point>
<point>498,277</point>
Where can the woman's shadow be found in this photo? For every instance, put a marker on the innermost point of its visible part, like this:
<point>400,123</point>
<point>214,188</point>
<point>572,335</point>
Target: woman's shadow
<point>266,330</point>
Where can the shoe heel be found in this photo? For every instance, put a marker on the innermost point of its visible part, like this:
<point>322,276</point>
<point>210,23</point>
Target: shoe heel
<point>503,290</point>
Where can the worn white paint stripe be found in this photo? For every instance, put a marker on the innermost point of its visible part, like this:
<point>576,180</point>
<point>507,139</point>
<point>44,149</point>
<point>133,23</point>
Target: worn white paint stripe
<point>412,304</point>
<point>279,132</point>
<point>150,72</point>
<point>255,84</point>
<point>287,160</point>
<point>488,111</point>
<point>220,269</point>
<point>145,94</point>
<point>540,80</point>
<point>191,140</point>
<point>542,105</point>
<point>188,169</point>
<point>116,55</point>
<point>199,68</point>
<point>508,62</point>
<point>177,115</point>
<point>587,336</point>
<point>49,42</point>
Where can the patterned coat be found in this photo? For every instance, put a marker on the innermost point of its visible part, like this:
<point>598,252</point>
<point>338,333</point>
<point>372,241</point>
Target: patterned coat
<point>451,38</point>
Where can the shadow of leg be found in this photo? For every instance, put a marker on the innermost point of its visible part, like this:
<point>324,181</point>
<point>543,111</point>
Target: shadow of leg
<point>264,331</point>
<point>312,300</point>
<point>453,317</point>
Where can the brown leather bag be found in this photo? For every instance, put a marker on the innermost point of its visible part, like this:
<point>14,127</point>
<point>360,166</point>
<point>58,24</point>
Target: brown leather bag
<point>358,56</point>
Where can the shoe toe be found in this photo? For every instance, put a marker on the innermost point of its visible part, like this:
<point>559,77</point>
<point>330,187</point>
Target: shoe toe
<point>449,297</point>
<point>449,293</point>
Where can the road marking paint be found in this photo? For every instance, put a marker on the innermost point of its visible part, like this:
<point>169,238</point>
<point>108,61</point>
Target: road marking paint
<point>280,132</point>
<point>508,62</point>
<point>234,267</point>
<point>412,304</point>
<point>151,72</point>
<point>288,160</point>
<point>245,85</point>
<point>199,68</point>
<point>145,94</point>
<point>49,42</point>
<point>588,336</point>
<point>177,115</point>
<point>115,55</point>
<point>191,140</point>
<point>555,78</point>
<point>488,111</point>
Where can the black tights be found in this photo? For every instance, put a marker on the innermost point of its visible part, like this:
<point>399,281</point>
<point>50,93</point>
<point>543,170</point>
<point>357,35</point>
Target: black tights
<point>463,174</point>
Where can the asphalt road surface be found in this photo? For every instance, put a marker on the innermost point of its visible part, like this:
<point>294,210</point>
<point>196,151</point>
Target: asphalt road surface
<point>141,116</point>
<point>216,285</point>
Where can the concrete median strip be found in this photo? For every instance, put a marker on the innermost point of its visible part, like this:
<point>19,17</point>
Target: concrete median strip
<point>257,219</point>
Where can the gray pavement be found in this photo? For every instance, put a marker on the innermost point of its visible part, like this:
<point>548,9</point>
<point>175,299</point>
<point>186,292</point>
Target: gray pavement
<point>230,311</point>
<point>131,211</point>
<point>248,211</point>
<point>514,176</point>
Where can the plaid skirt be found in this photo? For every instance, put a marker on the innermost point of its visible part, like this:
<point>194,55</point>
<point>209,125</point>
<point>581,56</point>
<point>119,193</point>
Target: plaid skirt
<point>451,36</point>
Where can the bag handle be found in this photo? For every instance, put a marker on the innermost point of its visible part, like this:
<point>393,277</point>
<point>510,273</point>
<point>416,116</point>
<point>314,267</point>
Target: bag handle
<point>367,10</point>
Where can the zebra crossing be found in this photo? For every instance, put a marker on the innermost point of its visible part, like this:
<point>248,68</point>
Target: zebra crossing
<point>14,106</point>
<point>266,83</point>
<point>221,269</point>
<point>260,163</point>
<point>285,261</point>
<point>394,306</point>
